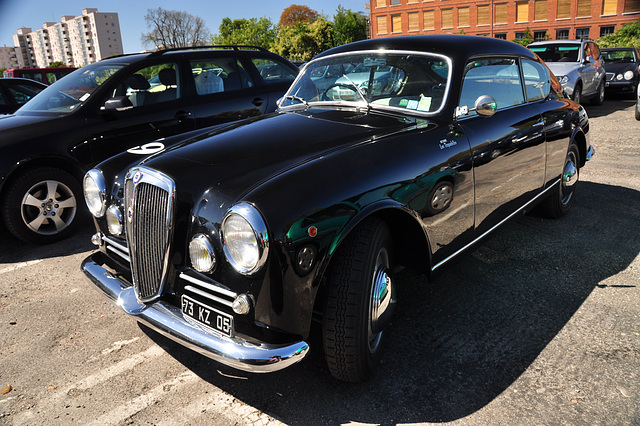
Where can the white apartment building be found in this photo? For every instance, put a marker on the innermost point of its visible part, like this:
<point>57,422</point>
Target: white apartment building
<point>75,40</point>
<point>8,57</point>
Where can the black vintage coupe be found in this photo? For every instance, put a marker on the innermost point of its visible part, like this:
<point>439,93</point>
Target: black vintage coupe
<point>387,152</point>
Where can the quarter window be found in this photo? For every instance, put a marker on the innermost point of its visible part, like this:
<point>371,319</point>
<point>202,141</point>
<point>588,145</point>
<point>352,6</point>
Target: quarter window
<point>273,72</point>
<point>537,80</point>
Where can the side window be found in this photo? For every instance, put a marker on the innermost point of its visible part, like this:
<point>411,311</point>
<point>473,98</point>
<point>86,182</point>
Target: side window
<point>496,77</point>
<point>218,75</point>
<point>3,101</point>
<point>537,80</point>
<point>273,71</point>
<point>151,85</point>
<point>33,75</point>
<point>595,52</point>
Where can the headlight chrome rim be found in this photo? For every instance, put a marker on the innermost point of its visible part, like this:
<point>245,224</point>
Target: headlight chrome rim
<point>95,192</point>
<point>201,254</point>
<point>256,223</point>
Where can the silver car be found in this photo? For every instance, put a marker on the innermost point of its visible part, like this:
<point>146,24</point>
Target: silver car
<point>577,64</point>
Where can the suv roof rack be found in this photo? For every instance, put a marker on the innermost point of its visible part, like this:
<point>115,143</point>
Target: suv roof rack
<point>219,46</point>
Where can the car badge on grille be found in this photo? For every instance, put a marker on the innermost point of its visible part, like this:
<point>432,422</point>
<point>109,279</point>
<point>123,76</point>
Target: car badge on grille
<point>129,214</point>
<point>137,177</point>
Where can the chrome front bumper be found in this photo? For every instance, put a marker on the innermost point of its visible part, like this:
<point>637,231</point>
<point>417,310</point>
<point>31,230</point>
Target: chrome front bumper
<point>168,320</point>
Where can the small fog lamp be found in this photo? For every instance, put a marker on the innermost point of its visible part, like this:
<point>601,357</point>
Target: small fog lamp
<point>203,259</point>
<point>242,304</point>
<point>114,221</point>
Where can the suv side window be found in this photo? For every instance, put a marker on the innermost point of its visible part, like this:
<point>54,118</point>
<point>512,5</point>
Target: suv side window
<point>537,80</point>
<point>595,52</point>
<point>151,85</point>
<point>273,71</point>
<point>219,75</point>
<point>496,77</point>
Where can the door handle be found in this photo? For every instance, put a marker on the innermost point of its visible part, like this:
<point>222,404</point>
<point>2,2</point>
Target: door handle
<point>257,101</point>
<point>182,115</point>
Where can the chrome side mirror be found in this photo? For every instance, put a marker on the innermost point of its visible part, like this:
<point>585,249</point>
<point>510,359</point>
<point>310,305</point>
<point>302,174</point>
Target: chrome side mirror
<point>485,106</point>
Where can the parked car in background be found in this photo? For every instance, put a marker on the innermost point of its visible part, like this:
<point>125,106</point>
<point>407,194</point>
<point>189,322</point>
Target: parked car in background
<point>118,104</point>
<point>43,75</point>
<point>233,241</point>
<point>622,65</point>
<point>577,64</point>
<point>15,92</point>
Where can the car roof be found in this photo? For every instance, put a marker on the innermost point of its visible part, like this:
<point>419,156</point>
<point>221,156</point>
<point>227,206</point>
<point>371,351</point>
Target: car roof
<point>454,46</point>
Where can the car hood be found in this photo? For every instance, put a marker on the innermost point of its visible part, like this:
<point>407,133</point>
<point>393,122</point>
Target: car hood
<point>619,67</point>
<point>563,68</point>
<point>231,161</point>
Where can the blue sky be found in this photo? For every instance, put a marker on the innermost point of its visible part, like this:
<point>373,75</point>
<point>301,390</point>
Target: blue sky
<point>32,14</point>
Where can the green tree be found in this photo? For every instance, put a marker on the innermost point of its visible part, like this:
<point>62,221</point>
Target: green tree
<point>257,32</point>
<point>626,36</point>
<point>305,40</point>
<point>527,39</point>
<point>56,64</point>
<point>348,26</point>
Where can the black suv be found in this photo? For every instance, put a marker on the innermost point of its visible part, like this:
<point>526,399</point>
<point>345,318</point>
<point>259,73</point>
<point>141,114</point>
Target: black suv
<point>131,102</point>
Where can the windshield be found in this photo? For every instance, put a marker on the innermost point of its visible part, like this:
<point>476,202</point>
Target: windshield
<point>623,56</point>
<point>66,94</point>
<point>410,82</point>
<point>557,52</point>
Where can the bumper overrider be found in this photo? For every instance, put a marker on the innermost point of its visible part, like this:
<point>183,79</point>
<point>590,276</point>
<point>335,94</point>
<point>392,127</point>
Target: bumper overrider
<point>236,352</point>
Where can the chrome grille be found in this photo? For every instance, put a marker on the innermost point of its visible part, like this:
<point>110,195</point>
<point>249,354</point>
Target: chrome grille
<point>149,198</point>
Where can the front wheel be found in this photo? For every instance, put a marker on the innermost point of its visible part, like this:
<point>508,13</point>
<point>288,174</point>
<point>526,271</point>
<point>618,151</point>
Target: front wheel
<point>599,98</point>
<point>41,205</point>
<point>360,300</point>
<point>577,93</point>
<point>561,199</point>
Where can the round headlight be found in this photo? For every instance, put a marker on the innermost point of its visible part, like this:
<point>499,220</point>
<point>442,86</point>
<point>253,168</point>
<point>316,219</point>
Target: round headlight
<point>563,79</point>
<point>245,238</point>
<point>203,259</point>
<point>628,75</point>
<point>619,77</point>
<point>114,221</point>
<point>95,192</point>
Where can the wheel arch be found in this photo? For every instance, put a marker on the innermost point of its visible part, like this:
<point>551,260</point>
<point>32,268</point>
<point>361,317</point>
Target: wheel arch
<point>580,139</point>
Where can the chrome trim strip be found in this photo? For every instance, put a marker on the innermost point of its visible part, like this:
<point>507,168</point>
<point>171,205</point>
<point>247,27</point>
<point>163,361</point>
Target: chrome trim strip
<point>495,226</point>
<point>236,352</point>
<point>119,253</point>
<point>208,286</point>
<point>115,243</point>
<point>208,296</point>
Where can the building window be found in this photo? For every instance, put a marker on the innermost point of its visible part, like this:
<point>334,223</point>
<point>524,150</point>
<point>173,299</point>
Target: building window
<point>584,8</point>
<point>540,35</point>
<point>540,10</point>
<point>582,33</point>
<point>381,3</point>
<point>609,29</point>
<point>519,35</point>
<point>522,11</point>
<point>382,24</point>
<point>447,18</point>
<point>395,3</point>
<point>500,14</point>
<point>413,1</point>
<point>609,7</point>
<point>429,20</point>
<point>631,6</point>
<point>564,9</point>
<point>396,23</point>
<point>463,17</point>
<point>484,17</point>
<point>562,34</point>
<point>414,25</point>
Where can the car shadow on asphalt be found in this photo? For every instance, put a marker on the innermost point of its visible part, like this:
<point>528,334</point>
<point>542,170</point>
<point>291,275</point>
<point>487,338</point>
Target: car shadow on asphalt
<point>13,250</point>
<point>461,340</point>
<point>612,102</point>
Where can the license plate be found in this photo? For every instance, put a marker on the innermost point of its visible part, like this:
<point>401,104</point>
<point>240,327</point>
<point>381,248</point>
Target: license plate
<point>207,316</point>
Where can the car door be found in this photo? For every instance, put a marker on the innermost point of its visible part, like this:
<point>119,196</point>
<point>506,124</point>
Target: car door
<point>589,69</point>
<point>508,147</point>
<point>147,103</point>
<point>275,76</point>
<point>223,90</point>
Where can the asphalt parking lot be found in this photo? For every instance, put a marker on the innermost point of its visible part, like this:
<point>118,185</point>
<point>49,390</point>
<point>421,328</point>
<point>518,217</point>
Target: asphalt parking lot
<point>538,325</point>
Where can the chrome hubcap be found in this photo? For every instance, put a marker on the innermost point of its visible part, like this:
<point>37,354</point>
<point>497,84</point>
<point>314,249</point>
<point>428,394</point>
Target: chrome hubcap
<point>382,300</point>
<point>48,207</point>
<point>569,178</point>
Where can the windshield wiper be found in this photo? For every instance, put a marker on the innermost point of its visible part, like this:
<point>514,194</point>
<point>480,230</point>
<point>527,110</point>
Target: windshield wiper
<point>357,90</point>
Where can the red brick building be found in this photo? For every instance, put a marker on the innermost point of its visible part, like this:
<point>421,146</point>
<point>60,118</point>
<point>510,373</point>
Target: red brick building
<point>506,19</point>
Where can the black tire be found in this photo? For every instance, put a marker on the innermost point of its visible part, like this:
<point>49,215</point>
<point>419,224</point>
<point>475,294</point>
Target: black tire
<point>637,112</point>
<point>354,314</point>
<point>41,205</point>
<point>598,99</point>
<point>577,93</point>
<point>559,202</point>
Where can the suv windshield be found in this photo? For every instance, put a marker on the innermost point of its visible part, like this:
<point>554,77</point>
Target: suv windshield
<point>65,95</point>
<point>410,82</point>
<point>557,52</point>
